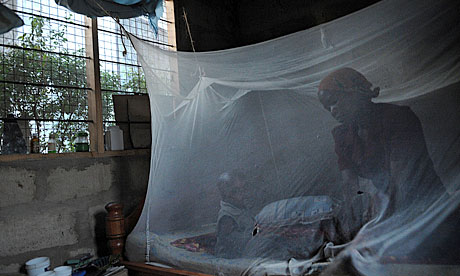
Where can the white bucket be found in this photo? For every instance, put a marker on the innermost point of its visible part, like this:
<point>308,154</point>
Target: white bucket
<point>37,266</point>
<point>63,271</point>
<point>47,273</point>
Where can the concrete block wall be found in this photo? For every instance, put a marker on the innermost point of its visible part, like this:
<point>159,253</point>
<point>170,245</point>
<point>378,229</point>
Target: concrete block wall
<point>54,207</point>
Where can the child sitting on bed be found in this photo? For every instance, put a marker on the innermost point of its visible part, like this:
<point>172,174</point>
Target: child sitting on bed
<point>234,222</point>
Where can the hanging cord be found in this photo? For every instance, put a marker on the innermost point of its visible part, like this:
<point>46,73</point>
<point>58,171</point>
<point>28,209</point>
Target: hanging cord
<point>269,141</point>
<point>121,38</point>
<point>191,41</point>
<point>122,29</point>
<point>188,29</point>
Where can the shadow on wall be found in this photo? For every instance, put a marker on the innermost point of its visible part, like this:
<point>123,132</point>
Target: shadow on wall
<point>99,238</point>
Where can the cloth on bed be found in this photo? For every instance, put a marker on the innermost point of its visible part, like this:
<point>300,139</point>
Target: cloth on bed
<point>201,243</point>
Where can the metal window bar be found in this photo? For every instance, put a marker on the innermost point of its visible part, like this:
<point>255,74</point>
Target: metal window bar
<point>48,120</point>
<point>130,77</point>
<point>136,65</point>
<point>143,39</point>
<point>57,79</point>
<point>42,51</point>
<point>42,77</point>
<point>126,122</point>
<point>51,18</point>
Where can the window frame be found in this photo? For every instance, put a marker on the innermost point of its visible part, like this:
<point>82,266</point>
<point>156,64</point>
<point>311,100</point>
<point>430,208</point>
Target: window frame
<point>94,94</point>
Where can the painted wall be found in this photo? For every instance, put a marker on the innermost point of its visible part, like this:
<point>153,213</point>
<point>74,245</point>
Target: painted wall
<point>54,207</point>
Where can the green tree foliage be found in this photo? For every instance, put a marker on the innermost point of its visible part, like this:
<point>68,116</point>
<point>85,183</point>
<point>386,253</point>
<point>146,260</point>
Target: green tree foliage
<point>37,74</point>
<point>35,80</point>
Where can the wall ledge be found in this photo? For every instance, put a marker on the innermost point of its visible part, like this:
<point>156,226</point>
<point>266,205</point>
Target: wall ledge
<point>72,155</point>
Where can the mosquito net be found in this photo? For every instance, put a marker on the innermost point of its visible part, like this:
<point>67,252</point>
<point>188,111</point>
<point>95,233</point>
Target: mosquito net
<point>283,157</point>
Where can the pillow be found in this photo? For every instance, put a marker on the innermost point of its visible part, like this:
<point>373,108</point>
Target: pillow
<point>297,210</point>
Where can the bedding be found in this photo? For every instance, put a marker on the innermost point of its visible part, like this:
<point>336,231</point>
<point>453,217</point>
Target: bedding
<point>172,249</point>
<point>286,232</point>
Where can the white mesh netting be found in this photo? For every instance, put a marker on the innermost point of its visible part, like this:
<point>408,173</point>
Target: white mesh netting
<point>251,174</point>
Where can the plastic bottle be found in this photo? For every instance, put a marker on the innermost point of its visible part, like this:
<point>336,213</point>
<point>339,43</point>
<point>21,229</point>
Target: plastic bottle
<point>52,144</point>
<point>81,143</point>
<point>114,138</point>
<point>34,144</point>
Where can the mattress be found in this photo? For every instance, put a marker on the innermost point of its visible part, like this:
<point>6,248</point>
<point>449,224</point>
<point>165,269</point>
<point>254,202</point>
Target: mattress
<point>162,250</point>
<point>165,249</point>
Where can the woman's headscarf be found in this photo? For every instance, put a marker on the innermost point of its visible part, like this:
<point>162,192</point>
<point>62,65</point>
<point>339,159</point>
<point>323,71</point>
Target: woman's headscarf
<point>348,80</point>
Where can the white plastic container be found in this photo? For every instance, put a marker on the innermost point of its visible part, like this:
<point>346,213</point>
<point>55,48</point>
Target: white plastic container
<point>63,271</point>
<point>37,266</point>
<point>47,273</point>
<point>114,138</point>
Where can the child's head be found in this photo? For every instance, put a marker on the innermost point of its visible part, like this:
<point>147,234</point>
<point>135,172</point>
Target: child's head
<point>232,187</point>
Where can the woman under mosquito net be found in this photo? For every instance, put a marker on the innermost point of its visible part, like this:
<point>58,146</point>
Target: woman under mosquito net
<point>384,143</point>
<point>378,142</point>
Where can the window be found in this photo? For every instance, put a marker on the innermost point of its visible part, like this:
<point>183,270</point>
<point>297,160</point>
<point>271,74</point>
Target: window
<point>46,78</point>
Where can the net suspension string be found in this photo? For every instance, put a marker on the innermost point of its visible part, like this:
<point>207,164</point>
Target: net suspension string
<point>192,42</point>
<point>122,29</point>
<point>126,32</point>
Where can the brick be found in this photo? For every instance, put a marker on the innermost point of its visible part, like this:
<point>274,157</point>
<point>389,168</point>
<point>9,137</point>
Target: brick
<point>16,186</point>
<point>37,230</point>
<point>67,184</point>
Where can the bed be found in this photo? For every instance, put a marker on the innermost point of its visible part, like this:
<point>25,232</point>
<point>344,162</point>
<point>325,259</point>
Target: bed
<point>193,249</point>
